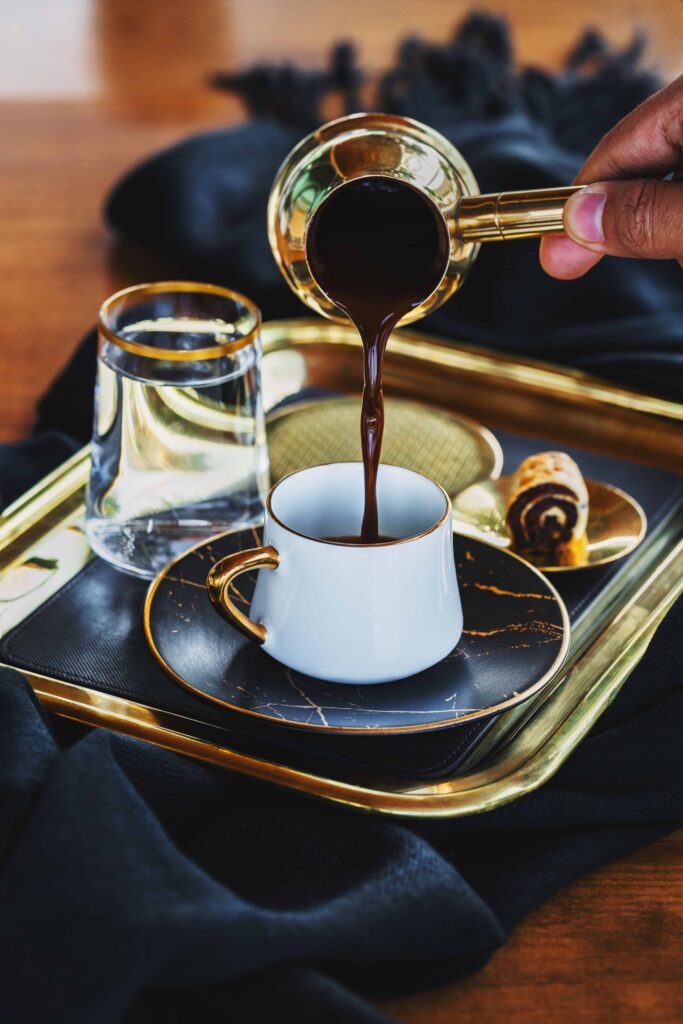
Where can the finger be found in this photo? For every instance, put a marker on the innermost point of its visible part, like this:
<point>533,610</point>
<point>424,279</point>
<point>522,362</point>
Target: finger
<point>640,218</point>
<point>648,142</point>
<point>562,258</point>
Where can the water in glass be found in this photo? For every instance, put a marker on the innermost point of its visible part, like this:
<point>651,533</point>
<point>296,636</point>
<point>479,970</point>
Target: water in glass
<point>179,448</point>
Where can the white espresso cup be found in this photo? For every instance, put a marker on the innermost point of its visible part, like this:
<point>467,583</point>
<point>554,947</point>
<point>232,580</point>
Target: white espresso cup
<point>342,611</point>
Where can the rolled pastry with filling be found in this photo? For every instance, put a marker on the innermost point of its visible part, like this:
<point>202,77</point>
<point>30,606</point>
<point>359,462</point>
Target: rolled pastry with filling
<point>547,506</point>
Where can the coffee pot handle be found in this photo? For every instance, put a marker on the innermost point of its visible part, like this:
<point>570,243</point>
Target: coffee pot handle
<point>498,216</point>
<point>220,578</point>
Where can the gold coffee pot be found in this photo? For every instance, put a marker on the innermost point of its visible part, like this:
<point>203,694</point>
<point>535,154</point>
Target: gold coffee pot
<point>397,147</point>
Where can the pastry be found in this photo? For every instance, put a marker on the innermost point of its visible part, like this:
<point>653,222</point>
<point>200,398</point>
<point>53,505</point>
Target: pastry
<point>547,506</point>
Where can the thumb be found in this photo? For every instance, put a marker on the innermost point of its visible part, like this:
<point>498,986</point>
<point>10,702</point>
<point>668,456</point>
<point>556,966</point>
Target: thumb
<point>642,217</point>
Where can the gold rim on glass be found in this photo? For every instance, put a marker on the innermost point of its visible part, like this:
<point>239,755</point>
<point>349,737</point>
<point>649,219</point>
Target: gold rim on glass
<point>176,355</point>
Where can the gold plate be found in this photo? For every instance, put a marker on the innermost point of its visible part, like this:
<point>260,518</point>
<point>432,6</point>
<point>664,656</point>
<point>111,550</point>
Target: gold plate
<point>452,450</point>
<point>616,523</point>
<point>526,745</point>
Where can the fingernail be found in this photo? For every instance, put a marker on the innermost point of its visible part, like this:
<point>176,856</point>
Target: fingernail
<point>583,215</point>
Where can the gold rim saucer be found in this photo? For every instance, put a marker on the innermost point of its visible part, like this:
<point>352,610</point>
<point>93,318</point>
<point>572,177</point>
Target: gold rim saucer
<point>616,523</point>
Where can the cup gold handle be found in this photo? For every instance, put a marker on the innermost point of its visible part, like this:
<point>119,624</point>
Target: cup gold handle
<point>220,577</point>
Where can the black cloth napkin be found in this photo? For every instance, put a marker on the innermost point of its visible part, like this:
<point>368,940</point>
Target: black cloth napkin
<point>137,885</point>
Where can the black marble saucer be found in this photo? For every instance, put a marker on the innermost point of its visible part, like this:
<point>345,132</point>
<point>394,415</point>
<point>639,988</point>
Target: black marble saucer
<point>514,641</point>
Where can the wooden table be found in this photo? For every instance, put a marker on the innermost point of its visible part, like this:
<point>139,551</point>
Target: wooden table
<point>89,86</point>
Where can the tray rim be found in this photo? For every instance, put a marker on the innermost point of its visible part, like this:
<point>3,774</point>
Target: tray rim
<point>475,793</point>
<point>534,373</point>
<point>529,758</point>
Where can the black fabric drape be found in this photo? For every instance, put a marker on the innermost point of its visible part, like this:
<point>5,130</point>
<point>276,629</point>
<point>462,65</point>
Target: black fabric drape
<point>137,885</point>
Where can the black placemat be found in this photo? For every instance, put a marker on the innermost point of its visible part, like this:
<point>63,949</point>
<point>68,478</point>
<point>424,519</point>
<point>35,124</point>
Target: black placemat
<point>90,633</point>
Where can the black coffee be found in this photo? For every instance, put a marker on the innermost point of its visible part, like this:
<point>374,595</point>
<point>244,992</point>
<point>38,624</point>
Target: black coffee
<point>378,248</point>
<point>355,539</point>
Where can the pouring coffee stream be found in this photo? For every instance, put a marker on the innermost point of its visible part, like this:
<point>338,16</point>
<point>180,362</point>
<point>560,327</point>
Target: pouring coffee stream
<point>378,248</point>
<point>376,219</point>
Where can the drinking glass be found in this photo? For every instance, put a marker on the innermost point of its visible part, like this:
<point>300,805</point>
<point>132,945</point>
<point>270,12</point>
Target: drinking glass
<point>179,444</point>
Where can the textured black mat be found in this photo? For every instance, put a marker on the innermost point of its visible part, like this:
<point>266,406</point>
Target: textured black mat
<point>90,633</point>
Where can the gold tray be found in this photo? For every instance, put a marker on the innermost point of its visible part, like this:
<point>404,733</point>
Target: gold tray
<point>527,744</point>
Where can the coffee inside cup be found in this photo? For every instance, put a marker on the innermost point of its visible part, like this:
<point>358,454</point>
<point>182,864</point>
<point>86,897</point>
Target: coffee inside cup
<point>326,503</point>
<point>351,539</point>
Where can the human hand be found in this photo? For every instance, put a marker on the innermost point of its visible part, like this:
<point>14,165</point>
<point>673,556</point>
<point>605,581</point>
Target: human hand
<point>641,216</point>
